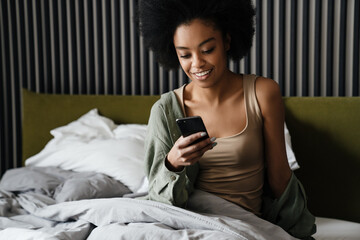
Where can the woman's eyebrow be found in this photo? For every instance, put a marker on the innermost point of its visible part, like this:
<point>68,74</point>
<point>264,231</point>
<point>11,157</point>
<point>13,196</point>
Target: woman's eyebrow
<point>202,43</point>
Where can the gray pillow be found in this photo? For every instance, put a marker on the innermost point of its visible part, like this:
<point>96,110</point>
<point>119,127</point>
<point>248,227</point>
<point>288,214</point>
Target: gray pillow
<point>62,185</point>
<point>33,179</point>
<point>89,185</point>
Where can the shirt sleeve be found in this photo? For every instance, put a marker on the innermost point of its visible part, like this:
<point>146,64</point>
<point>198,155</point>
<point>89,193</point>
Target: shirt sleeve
<point>290,211</point>
<point>164,185</point>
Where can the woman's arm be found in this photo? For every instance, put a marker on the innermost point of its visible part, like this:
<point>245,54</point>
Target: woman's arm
<point>165,186</point>
<point>272,109</point>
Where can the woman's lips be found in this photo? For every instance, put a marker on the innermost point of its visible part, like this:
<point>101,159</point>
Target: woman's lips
<point>203,74</point>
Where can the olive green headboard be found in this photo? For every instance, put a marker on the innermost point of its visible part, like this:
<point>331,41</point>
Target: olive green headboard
<point>325,134</point>
<point>44,112</point>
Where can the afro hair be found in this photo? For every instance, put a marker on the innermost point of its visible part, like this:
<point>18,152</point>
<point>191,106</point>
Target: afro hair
<point>159,19</point>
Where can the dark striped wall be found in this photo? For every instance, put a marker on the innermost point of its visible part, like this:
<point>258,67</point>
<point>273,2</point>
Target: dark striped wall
<point>310,47</point>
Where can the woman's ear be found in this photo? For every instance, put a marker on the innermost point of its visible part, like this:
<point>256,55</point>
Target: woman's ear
<point>227,42</point>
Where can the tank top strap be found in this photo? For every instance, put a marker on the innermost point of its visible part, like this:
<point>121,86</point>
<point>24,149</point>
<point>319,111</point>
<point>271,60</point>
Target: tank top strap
<point>179,93</point>
<point>252,105</point>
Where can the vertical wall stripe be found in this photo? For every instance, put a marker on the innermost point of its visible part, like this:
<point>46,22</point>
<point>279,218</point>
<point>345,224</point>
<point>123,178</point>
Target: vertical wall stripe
<point>265,38</point>
<point>96,46</point>
<point>349,46</point>
<point>15,92</point>
<point>330,48</point>
<point>19,46</point>
<point>115,39</point>
<point>43,86</point>
<point>293,49</point>
<point>275,44</point>
<point>2,73</point>
<point>135,62</point>
<point>323,40</point>
<point>259,36</point>
<point>311,48</point>
<point>342,58</point>
<point>125,41</point>
<point>52,43</point>
<point>87,46</point>
<point>6,39</point>
<point>336,47</point>
<point>305,49</point>
<point>70,49</point>
<point>287,50</point>
<point>281,79</point>
<point>317,50</point>
<point>29,66</point>
<point>299,44</point>
<point>145,69</point>
<point>270,37</point>
<point>311,59</point>
<point>11,76</point>
<point>175,80</point>
<point>78,30</point>
<point>105,39</point>
<point>3,136</point>
<point>36,44</point>
<point>3,104</point>
<point>61,46</point>
<point>356,52</point>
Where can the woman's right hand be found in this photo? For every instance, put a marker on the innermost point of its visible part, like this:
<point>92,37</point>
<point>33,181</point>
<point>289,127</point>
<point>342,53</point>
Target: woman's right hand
<point>183,153</point>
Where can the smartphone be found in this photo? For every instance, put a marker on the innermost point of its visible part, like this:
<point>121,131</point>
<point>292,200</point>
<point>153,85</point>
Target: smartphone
<point>190,125</point>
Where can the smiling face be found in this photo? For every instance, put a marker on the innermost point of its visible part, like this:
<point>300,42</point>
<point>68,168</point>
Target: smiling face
<point>201,50</point>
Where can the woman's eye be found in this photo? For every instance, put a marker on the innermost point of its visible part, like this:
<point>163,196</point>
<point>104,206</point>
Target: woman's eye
<point>209,51</point>
<point>185,56</point>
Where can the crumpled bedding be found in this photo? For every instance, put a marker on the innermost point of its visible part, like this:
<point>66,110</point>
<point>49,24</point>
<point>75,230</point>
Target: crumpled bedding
<point>50,203</point>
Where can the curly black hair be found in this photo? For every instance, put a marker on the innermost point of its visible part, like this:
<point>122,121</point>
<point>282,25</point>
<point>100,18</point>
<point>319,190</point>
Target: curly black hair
<point>159,19</point>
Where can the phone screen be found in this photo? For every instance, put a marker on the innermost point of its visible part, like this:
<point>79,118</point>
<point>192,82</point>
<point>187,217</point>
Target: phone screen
<point>190,125</point>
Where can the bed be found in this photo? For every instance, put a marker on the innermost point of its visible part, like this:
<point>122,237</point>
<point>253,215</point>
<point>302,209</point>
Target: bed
<point>83,178</point>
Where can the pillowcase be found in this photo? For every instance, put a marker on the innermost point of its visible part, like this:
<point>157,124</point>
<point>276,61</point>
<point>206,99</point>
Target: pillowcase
<point>289,152</point>
<point>95,143</point>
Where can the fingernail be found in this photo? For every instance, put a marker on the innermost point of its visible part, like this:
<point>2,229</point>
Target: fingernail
<point>214,144</point>
<point>203,134</point>
<point>213,139</point>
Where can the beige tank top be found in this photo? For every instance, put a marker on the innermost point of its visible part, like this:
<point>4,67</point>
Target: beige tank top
<point>234,169</point>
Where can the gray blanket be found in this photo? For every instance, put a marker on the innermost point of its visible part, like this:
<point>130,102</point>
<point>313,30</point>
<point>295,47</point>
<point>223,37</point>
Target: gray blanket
<point>50,203</point>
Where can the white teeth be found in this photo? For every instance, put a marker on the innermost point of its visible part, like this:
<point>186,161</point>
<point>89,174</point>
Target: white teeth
<point>202,73</point>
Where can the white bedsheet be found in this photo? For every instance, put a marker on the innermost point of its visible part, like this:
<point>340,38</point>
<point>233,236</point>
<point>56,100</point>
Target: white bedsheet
<point>31,207</point>
<point>38,205</point>
<point>109,218</point>
<point>334,229</point>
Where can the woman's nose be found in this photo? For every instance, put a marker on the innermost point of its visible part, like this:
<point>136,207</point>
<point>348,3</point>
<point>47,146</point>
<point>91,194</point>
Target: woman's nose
<point>198,61</point>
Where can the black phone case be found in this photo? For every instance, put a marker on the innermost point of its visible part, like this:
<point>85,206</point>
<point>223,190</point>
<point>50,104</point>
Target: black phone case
<point>190,125</point>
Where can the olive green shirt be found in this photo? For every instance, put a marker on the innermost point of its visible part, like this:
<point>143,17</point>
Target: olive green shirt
<point>289,211</point>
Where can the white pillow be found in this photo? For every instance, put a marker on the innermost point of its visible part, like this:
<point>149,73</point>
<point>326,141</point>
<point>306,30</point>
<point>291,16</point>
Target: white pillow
<point>89,126</point>
<point>95,143</point>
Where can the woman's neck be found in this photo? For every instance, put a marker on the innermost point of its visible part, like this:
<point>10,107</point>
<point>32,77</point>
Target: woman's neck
<point>218,93</point>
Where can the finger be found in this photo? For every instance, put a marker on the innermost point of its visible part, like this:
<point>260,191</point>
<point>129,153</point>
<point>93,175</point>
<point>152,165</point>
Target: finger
<point>199,146</point>
<point>186,141</point>
<point>195,156</point>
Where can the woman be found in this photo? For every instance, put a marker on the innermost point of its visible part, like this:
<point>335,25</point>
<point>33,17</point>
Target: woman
<point>243,114</point>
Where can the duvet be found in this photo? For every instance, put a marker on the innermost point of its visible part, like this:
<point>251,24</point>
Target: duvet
<point>51,203</point>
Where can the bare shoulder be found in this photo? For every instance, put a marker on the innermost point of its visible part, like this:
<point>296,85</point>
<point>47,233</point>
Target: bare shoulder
<point>267,88</point>
<point>268,93</point>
